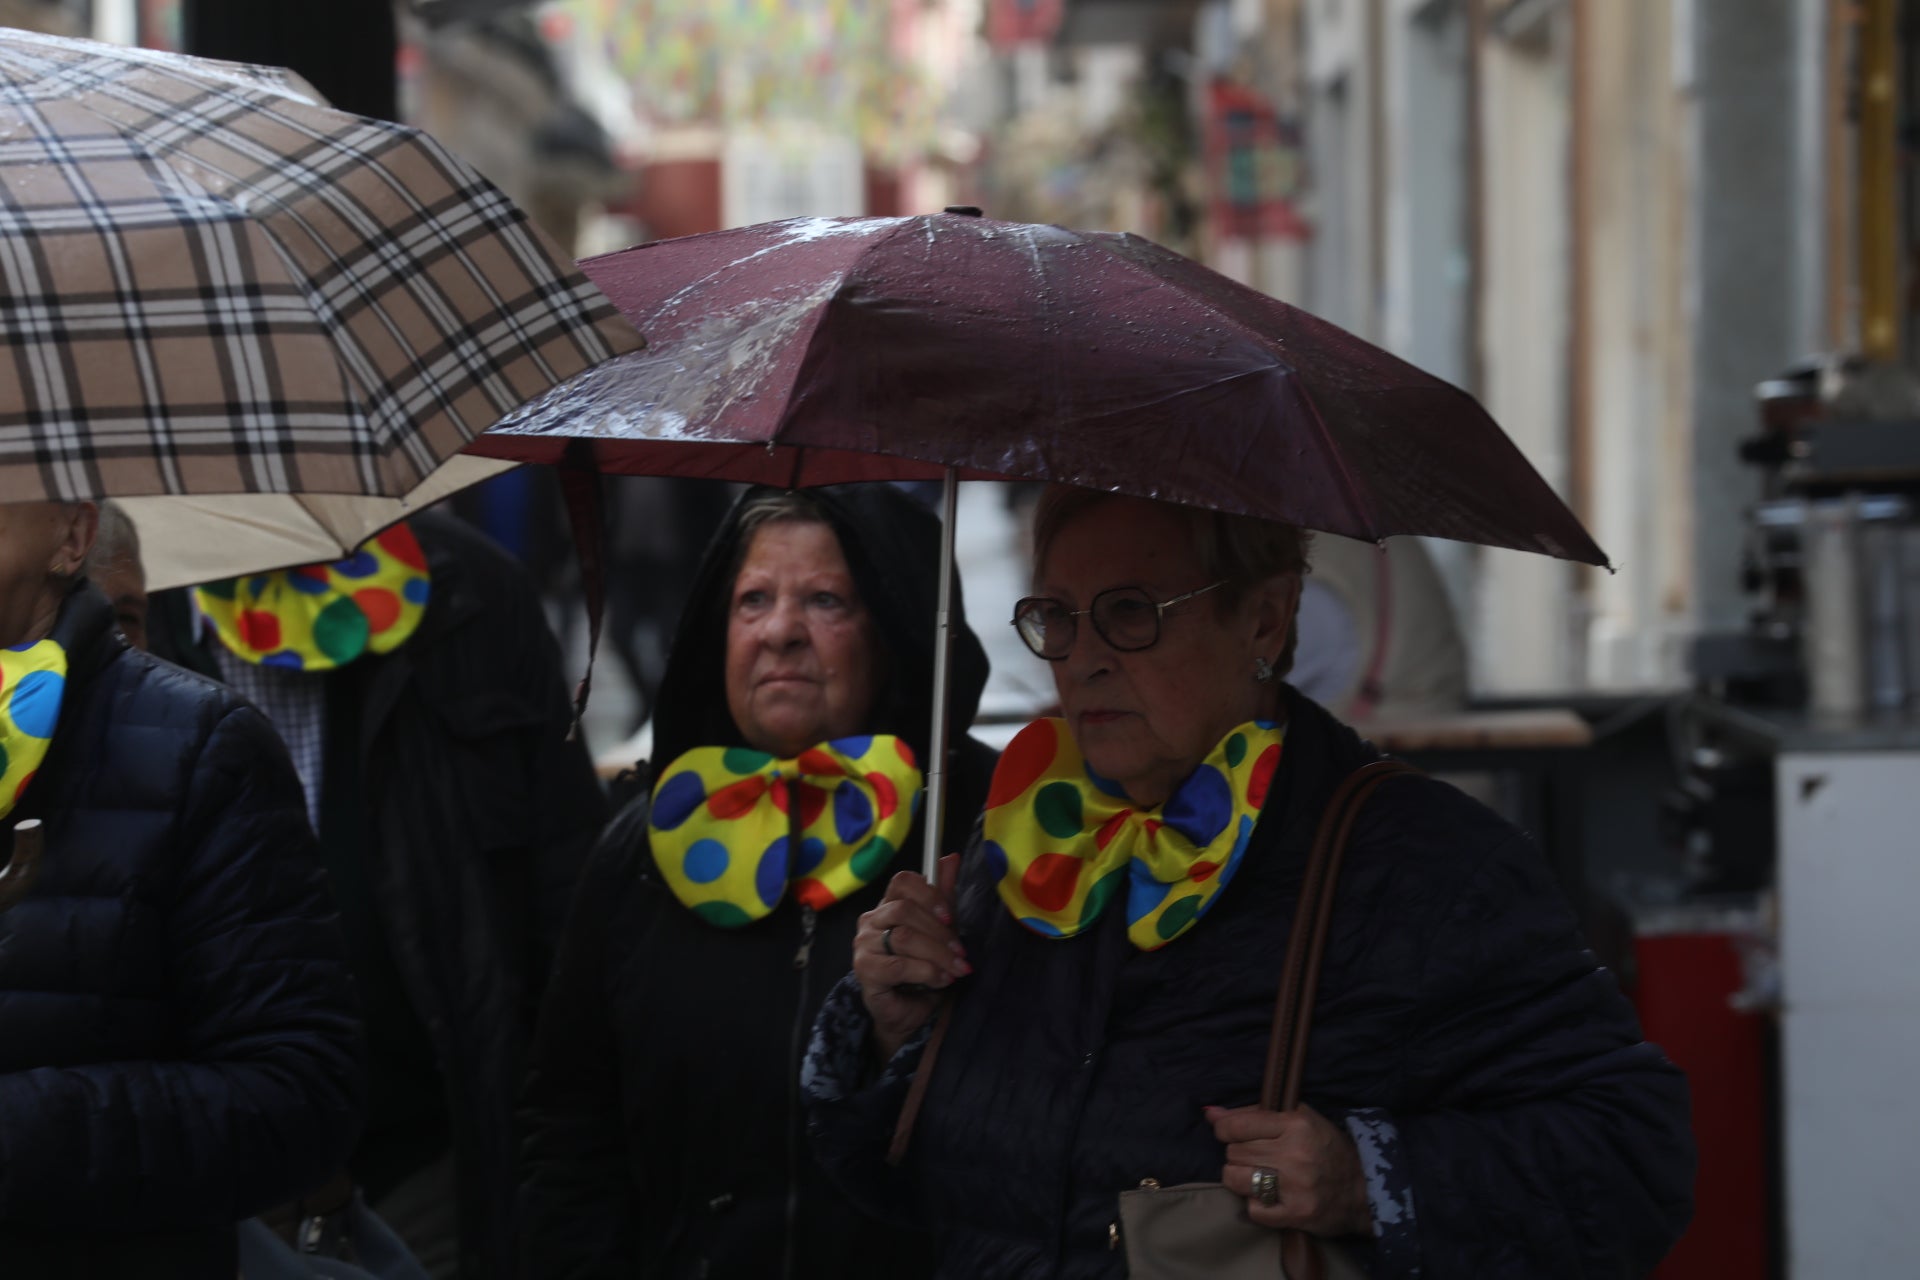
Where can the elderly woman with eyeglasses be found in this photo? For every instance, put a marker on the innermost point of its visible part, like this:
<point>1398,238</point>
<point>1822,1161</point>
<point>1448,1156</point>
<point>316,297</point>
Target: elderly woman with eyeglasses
<point>1479,1099</point>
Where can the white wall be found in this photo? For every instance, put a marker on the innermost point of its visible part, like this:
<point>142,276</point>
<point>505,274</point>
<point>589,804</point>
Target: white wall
<point>790,171</point>
<point>116,21</point>
<point>1428,257</point>
<point>1342,277</point>
<point>1639,349</point>
<point>1523,634</point>
<point>1427,292</point>
<point>1413,290</point>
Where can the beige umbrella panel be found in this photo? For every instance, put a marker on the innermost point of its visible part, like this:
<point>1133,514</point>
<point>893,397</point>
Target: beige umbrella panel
<point>267,327</point>
<point>185,541</point>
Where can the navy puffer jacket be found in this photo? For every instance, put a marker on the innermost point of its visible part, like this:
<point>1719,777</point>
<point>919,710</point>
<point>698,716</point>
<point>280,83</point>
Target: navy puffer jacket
<point>1511,1120</point>
<point>179,1046</point>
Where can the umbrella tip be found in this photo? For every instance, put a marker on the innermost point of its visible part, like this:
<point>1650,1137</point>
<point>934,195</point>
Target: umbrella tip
<point>965,210</point>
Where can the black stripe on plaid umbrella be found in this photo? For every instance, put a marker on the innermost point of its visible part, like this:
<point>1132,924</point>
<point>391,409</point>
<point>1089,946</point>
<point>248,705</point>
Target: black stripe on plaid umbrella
<point>824,350</point>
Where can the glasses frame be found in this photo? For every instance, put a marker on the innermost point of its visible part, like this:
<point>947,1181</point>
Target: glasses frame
<point>1073,617</point>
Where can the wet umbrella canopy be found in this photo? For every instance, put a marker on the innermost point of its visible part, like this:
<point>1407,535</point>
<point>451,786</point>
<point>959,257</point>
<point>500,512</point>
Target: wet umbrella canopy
<point>825,350</point>
<point>817,351</point>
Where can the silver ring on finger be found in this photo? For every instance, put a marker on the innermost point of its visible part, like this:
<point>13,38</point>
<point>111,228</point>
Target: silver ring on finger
<point>1266,1186</point>
<point>886,941</point>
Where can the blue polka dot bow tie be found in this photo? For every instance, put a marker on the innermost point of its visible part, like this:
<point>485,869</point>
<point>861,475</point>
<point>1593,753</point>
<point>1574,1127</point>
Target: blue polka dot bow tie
<point>1062,841</point>
<point>732,828</point>
<point>33,681</point>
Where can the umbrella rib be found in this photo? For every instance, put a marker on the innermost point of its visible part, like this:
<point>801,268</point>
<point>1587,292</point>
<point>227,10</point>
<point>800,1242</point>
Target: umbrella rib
<point>1355,497</point>
<point>1173,396</point>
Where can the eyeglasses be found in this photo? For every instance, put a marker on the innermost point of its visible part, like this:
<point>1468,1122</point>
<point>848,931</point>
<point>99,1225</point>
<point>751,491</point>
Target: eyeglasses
<point>1127,618</point>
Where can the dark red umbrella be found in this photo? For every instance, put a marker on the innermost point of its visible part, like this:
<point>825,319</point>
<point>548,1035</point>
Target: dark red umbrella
<point>819,350</point>
<point>824,350</point>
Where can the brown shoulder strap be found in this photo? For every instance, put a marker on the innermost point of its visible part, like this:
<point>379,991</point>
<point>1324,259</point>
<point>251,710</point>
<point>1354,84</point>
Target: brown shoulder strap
<point>922,1077</point>
<point>1293,1007</point>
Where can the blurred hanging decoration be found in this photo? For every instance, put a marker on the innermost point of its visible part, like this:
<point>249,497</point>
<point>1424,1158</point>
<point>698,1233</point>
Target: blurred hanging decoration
<point>834,64</point>
<point>1253,166</point>
<point>1011,23</point>
<point>158,24</point>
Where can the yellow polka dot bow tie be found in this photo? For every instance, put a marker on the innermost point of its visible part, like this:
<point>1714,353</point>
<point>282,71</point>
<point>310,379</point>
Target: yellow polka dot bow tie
<point>722,824</point>
<point>323,616</point>
<point>1062,840</point>
<point>33,680</point>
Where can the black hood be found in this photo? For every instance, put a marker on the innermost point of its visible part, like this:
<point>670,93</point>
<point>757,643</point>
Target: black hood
<point>892,545</point>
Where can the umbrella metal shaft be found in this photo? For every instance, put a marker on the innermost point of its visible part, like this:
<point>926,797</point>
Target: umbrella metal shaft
<point>936,815</point>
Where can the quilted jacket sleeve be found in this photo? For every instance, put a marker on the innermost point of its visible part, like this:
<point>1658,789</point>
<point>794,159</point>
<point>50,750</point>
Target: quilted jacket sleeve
<point>260,1101</point>
<point>1546,1137</point>
<point>853,1101</point>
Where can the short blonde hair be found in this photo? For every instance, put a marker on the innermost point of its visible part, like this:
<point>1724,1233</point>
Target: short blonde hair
<point>1242,551</point>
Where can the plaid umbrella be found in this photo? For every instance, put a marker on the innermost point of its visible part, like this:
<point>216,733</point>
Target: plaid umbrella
<point>267,327</point>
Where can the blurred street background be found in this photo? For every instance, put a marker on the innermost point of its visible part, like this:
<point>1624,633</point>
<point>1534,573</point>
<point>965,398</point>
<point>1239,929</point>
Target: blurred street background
<point>1668,243</point>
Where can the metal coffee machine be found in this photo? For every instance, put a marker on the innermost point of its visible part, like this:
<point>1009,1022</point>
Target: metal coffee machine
<point>1832,563</point>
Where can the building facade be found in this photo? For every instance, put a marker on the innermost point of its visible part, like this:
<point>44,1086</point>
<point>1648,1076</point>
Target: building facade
<point>1609,219</point>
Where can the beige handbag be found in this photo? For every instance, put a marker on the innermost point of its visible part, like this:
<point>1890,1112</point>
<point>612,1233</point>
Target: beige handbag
<point>1201,1229</point>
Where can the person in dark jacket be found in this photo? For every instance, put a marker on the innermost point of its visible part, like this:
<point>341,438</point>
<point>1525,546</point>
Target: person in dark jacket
<point>664,1129</point>
<point>422,696</point>
<point>179,1044</point>
<point>1479,1102</point>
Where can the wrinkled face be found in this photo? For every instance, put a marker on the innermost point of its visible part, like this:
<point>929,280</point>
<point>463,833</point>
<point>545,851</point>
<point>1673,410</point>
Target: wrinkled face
<point>37,541</point>
<point>801,655</point>
<point>1147,719</point>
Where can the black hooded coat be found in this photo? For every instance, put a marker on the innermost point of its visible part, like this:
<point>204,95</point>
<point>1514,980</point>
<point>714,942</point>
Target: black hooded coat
<point>664,1129</point>
<point>455,817</point>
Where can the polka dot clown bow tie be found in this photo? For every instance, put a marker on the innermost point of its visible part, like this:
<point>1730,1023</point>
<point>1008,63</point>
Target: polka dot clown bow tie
<point>33,678</point>
<point>323,616</point>
<point>1062,840</point>
<point>723,825</point>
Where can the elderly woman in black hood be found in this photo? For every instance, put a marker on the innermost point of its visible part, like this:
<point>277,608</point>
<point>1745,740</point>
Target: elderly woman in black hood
<point>664,1125</point>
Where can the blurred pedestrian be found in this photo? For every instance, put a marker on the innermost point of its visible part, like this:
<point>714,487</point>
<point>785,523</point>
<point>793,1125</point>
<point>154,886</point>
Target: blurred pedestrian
<point>114,567</point>
<point>179,1046</point>
<point>422,697</point>
<point>663,1116</point>
<point>1378,638</point>
<point>1478,1099</point>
